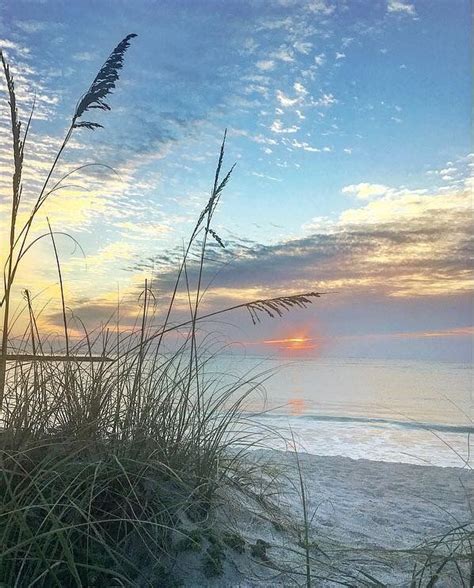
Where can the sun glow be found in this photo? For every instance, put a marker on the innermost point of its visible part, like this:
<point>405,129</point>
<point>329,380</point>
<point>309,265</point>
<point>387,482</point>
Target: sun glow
<point>299,342</point>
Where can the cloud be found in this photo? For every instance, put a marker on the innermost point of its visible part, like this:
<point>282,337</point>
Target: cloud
<point>303,47</point>
<point>365,191</point>
<point>305,146</point>
<point>249,46</point>
<point>283,53</point>
<point>32,26</point>
<point>320,7</point>
<point>264,140</point>
<point>16,47</point>
<point>266,64</point>
<point>277,127</point>
<point>84,56</point>
<point>265,177</point>
<point>448,173</point>
<point>300,89</point>
<point>397,6</point>
<point>320,59</point>
<point>405,244</point>
<point>400,243</point>
<point>326,100</point>
<point>260,139</point>
<point>286,101</point>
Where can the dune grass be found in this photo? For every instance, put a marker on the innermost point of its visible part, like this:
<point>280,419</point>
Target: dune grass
<point>113,446</point>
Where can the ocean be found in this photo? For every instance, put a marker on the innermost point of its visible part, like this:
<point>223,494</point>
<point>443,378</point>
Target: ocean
<point>416,412</point>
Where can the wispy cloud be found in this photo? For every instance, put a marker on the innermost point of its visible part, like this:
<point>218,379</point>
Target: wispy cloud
<point>32,26</point>
<point>266,64</point>
<point>286,101</point>
<point>402,243</point>
<point>278,127</point>
<point>321,7</point>
<point>18,48</point>
<point>365,190</point>
<point>400,7</point>
<point>306,147</point>
<point>265,177</point>
<point>84,56</point>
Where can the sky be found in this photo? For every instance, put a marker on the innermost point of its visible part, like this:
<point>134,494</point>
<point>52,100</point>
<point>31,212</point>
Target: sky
<point>348,121</point>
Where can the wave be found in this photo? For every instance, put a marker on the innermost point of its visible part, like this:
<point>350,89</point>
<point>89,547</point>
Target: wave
<point>439,427</point>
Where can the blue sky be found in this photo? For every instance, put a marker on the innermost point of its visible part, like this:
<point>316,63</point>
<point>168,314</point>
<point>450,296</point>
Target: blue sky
<point>349,123</point>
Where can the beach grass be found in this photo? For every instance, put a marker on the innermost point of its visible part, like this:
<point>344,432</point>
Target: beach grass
<point>112,448</point>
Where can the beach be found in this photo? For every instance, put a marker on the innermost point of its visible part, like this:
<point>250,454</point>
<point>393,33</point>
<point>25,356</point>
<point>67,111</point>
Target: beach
<point>367,517</point>
<point>385,458</point>
<point>236,329</point>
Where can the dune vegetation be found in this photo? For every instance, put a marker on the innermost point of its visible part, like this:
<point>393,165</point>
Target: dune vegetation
<point>112,444</point>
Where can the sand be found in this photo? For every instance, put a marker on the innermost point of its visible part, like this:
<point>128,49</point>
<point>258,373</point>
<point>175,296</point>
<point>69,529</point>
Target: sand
<point>365,516</point>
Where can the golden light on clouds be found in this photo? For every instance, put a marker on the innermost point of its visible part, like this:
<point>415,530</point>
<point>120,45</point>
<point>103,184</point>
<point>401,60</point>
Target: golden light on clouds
<point>388,241</point>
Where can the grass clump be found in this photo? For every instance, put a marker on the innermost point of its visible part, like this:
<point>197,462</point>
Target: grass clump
<point>235,542</point>
<point>102,461</point>
<point>448,555</point>
<point>213,560</point>
<point>258,550</point>
<point>191,541</point>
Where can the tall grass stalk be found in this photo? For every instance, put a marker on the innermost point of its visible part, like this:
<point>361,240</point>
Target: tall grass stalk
<point>102,85</point>
<point>306,520</point>
<point>103,462</point>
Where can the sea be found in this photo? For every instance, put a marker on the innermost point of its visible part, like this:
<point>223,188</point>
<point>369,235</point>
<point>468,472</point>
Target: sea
<point>407,411</point>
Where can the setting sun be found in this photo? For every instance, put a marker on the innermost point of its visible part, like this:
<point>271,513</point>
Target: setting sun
<point>297,343</point>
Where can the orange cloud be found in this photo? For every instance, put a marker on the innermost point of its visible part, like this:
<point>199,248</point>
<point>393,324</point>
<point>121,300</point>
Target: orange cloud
<point>294,343</point>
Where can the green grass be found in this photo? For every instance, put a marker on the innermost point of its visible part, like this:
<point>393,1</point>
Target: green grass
<point>103,462</point>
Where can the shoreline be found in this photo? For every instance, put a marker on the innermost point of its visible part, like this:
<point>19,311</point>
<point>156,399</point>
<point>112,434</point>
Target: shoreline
<point>421,464</point>
<point>446,427</point>
<point>375,439</point>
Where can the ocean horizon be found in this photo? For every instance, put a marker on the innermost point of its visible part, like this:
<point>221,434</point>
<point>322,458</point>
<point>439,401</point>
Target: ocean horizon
<point>407,411</point>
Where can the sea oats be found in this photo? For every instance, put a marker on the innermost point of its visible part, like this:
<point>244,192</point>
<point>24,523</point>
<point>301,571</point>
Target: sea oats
<point>102,85</point>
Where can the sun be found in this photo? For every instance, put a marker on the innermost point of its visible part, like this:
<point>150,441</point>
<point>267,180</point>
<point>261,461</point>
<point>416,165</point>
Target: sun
<point>294,343</point>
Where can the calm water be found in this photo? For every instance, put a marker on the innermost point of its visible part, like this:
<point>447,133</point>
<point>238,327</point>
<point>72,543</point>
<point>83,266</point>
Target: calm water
<point>404,411</point>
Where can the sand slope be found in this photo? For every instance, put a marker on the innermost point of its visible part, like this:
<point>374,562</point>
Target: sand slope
<point>365,514</point>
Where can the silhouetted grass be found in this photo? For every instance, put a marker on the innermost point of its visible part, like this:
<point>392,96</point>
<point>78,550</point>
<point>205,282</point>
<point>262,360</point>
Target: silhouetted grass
<point>103,461</point>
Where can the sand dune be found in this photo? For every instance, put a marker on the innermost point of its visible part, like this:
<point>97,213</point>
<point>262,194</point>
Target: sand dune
<point>368,517</point>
